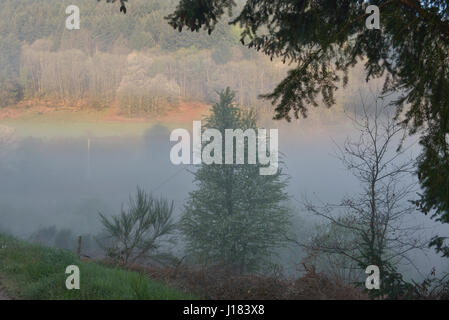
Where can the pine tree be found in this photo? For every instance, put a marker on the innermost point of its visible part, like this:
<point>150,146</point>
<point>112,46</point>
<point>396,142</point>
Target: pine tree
<point>236,217</point>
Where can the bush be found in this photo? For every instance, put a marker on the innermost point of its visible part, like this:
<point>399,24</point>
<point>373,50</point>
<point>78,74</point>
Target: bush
<point>136,232</point>
<point>219,284</point>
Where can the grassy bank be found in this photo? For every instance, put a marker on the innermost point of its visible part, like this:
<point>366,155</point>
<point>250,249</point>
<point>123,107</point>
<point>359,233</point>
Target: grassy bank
<point>29,271</point>
<point>65,123</point>
<point>42,119</point>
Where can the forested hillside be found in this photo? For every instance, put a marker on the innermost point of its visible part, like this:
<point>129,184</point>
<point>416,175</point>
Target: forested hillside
<point>134,61</point>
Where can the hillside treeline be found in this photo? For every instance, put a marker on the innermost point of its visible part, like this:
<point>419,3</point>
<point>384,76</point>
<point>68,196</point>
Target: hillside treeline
<point>135,60</point>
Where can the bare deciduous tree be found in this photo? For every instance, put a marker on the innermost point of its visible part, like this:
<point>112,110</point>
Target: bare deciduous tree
<point>375,226</point>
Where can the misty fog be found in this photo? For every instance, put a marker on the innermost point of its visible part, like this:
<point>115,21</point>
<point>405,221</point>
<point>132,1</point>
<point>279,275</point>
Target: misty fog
<point>65,182</point>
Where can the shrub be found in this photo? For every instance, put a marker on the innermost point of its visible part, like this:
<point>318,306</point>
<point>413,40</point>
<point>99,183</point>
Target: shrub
<point>136,232</point>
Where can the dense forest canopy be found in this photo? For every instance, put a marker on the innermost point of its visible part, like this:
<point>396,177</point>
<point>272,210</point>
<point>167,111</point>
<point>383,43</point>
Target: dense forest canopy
<point>30,20</point>
<point>136,61</point>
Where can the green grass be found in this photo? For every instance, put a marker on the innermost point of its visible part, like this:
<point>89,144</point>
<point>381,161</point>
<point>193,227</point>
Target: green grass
<point>29,271</point>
